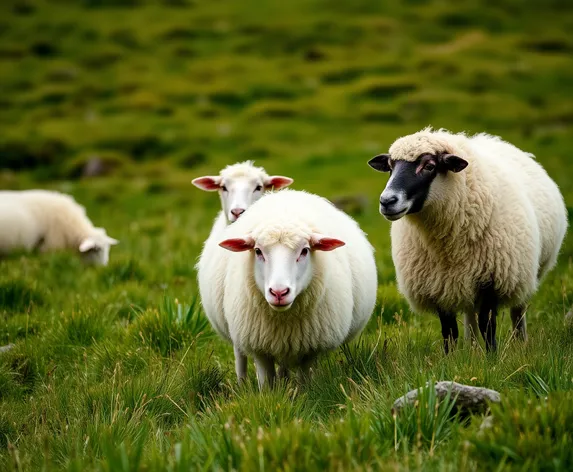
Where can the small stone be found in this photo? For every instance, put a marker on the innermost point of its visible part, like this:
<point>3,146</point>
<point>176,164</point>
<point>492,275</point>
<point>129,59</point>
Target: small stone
<point>7,348</point>
<point>467,398</point>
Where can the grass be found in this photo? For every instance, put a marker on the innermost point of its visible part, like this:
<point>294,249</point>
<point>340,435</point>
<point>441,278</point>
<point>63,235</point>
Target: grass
<point>117,369</point>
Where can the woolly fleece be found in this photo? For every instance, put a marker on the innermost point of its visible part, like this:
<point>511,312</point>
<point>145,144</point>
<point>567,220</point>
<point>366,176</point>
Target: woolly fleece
<point>502,220</point>
<point>333,309</point>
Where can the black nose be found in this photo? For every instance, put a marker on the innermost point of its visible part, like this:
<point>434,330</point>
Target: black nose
<point>388,201</point>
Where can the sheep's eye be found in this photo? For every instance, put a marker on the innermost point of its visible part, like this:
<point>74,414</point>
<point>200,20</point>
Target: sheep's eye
<point>258,188</point>
<point>304,252</point>
<point>223,188</point>
<point>259,253</point>
<point>430,166</point>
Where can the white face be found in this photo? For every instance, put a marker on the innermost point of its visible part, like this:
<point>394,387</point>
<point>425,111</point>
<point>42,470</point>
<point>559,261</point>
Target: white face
<point>95,248</point>
<point>282,273</point>
<point>238,194</point>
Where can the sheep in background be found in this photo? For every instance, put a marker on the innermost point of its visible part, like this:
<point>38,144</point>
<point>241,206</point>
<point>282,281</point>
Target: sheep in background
<point>283,298</point>
<point>477,223</point>
<point>47,220</point>
<point>239,186</point>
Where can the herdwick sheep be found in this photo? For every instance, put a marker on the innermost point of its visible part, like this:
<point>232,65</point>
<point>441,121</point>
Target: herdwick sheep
<point>282,297</point>
<point>477,223</point>
<point>47,220</point>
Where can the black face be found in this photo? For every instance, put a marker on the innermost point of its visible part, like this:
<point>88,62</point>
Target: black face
<point>409,184</point>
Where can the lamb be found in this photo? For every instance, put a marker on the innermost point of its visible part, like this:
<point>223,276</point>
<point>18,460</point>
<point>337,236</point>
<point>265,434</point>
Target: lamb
<point>282,298</point>
<point>239,186</point>
<point>48,220</point>
<point>477,223</point>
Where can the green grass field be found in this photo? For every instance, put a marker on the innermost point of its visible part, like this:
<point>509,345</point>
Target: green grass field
<point>116,368</point>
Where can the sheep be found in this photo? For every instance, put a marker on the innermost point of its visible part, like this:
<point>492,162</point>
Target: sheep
<point>477,223</point>
<point>239,186</point>
<point>49,220</point>
<point>282,298</point>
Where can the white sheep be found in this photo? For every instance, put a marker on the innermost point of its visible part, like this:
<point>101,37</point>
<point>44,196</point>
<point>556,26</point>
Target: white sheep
<point>469,239</point>
<point>282,298</point>
<point>47,220</point>
<point>239,186</point>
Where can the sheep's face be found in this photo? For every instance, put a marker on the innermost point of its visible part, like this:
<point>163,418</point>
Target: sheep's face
<point>95,248</point>
<point>239,192</point>
<point>409,185</point>
<point>283,271</point>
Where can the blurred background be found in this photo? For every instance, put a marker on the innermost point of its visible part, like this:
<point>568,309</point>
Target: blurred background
<point>157,89</point>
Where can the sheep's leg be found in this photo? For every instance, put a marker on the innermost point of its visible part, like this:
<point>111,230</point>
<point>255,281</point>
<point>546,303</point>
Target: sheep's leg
<point>283,372</point>
<point>519,322</point>
<point>470,326</point>
<point>449,329</point>
<point>265,366</point>
<point>240,365</point>
<point>305,366</point>
<point>487,318</point>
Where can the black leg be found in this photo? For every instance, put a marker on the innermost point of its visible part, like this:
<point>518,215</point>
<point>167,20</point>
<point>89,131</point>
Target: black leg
<point>487,317</point>
<point>519,322</point>
<point>449,329</point>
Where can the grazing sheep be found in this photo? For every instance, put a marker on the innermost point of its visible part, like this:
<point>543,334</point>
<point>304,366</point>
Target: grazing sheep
<point>47,220</point>
<point>477,223</point>
<point>282,298</point>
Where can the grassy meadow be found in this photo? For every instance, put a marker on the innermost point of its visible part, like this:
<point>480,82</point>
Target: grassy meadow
<point>117,369</point>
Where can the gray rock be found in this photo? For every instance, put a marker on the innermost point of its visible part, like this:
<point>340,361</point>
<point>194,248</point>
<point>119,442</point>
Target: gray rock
<point>94,167</point>
<point>467,398</point>
<point>569,316</point>
<point>7,348</point>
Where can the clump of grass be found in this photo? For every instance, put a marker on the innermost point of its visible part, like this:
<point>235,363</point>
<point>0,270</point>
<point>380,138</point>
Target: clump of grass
<point>173,326</point>
<point>528,432</point>
<point>107,356</point>
<point>204,385</point>
<point>81,328</point>
<point>19,295</point>
<point>120,271</point>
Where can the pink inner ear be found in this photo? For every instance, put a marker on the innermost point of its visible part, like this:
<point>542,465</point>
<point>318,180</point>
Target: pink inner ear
<point>278,182</point>
<point>238,244</point>
<point>327,244</point>
<point>207,183</point>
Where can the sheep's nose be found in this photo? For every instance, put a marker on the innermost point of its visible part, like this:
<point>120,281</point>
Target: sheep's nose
<point>237,212</point>
<point>388,200</point>
<point>279,293</point>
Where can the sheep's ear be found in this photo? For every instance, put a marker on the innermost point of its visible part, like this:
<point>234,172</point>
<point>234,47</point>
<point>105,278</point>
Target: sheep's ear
<point>277,182</point>
<point>238,244</point>
<point>87,245</point>
<point>209,183</point>
<point>454,163</point>
<point>381,163</point>
<point>319,242</point>
<point>111,241</point>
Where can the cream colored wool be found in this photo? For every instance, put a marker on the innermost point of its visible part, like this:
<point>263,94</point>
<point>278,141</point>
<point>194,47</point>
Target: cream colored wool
<point>332,310</point>
<point>500,220</point>
<point>43,219</point>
